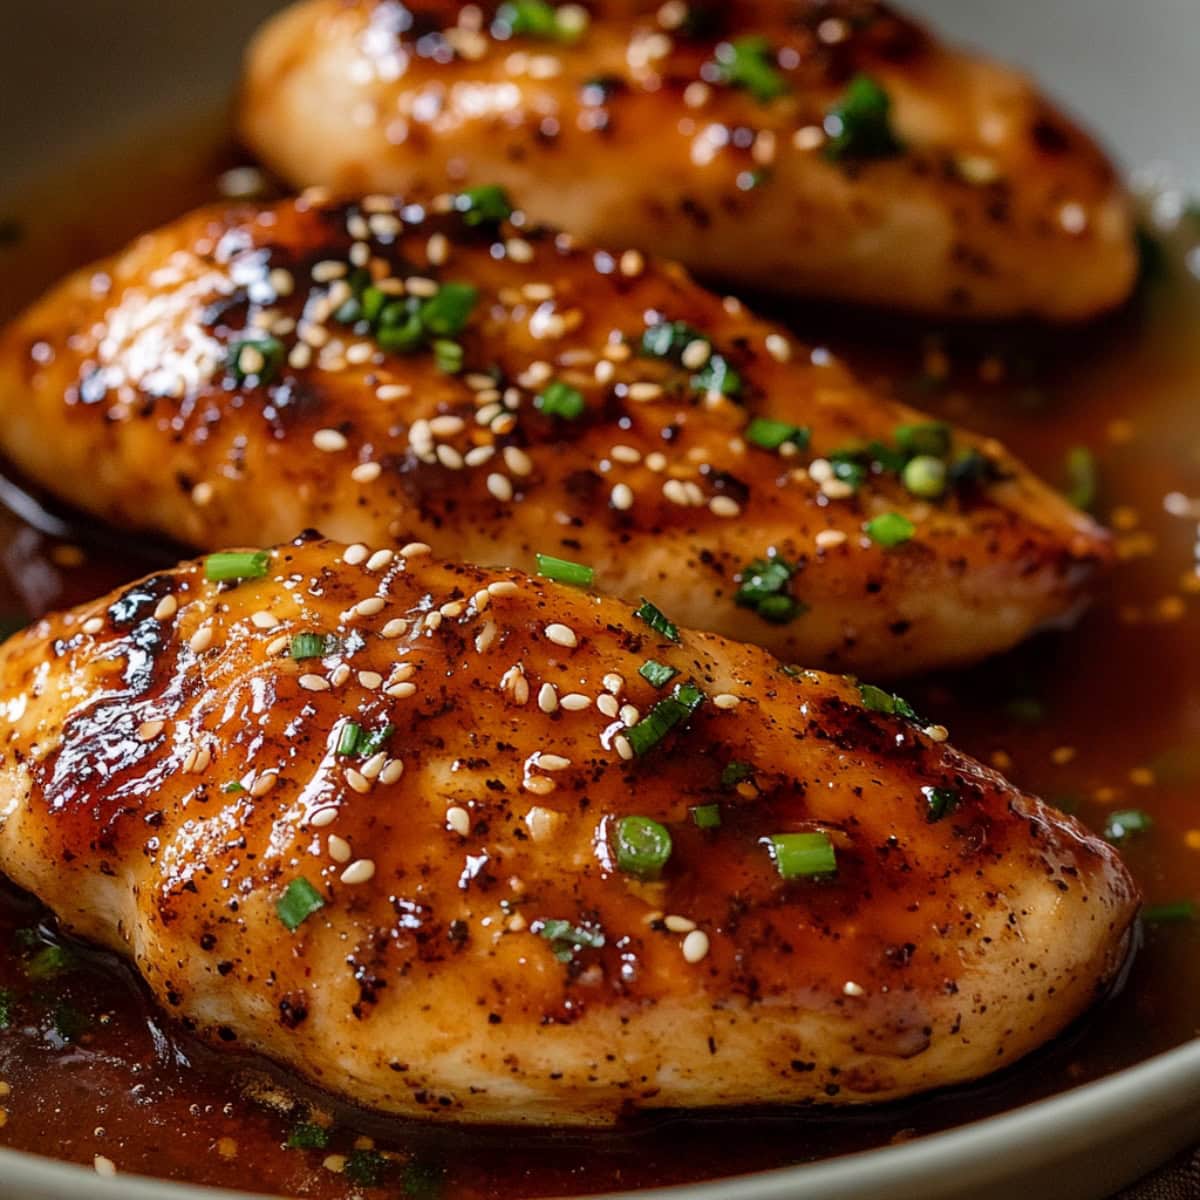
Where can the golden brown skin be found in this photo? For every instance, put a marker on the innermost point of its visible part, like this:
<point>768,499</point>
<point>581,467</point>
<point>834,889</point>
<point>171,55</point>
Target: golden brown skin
<point>117,394</point>
<point>997,205</point>
<point>167,771</point>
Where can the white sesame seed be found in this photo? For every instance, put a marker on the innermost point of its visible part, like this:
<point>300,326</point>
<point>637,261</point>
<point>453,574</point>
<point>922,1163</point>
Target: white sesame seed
<point>379,560</point>
<point>329,440</point>
<point>201,639</point>
<point>459,820</point>
<point>629,715</point>
<point>547,698</point>
<point>263,620</point>
<point>478,455</point>
<point>328,270</point>
<point>401,691</point>
<point>300,356</point>
<point>392,771</point>
<point>449,457</point>
<point>837,489</point>
<point>397,627</point>
<point>339,848</point>
<point>562,635</point>
<point>147,731</point>
<point>726,700</point>
<point>608,705</point>
<point>323,817</point>
<point>419,285</point>
<point>355,554</point>
<point>366,472</point>
<point>827,539</point>
<point>264,783</point>
<point>282,282</point>
<point>936,733</point>
<point>361,871</point>
<point>513,682</point>
<point>677,924</point>
<point>675,491</point>
<point>626,454</point>
<point>517,461</point>
<point>438,249</point>
<point>724,506</point>
<point>778,347</point>
<point>553,762</point>
<point>850,988</point>
<point>393,391</point>
<point>539,785</point>
<point>414,550</point>
<point>643,391</point>
<point>503,587</point>
<point>500,487</point>
<point>632,263</point>
<point>453,608</point>
<point>357,780</point>
<point>446,425</point>
<point>433,621</point>
<point>613,683</point>
<point>575,702</point>
<point>370,606</point>
<point>696,353</point>
<point>166,608</point>
<point>624,749</point>
<point>279,645</point>
<point>93,625</point>
<point>340,674</point>
<point>519,250</point>
<point>695,946</point>
<point>374,764</point>
<point>202,494</point>
<point>485,637</point>
<point>314,683</point>
<point>621,497</point>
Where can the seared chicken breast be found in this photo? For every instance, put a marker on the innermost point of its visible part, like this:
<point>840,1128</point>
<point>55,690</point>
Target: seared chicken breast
<point>826,147</point>
<point>387,372</point>
<point>478,846</point>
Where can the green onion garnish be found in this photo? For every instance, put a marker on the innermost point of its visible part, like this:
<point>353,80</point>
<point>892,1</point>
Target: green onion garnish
<point>925,476</point>
<point>1082,478</point>
<point>561,400</point>
<point>1121,824</point>
<point>1167,914</point>
<point>448,356</point>
<point>487,205</point>
<point>859,125</point>
<point>643,846</point>
<point>764,588</point>
<point>562,570</point>
<point>669,339</point>
<point>48,962</point>
<point>802,855</point>
<point>657,621</point>
<point>735,773</point>
<point>890,529</point>
<point>233,787</point>
<point>370,744</point>
<point>349,738</point>
<point>298,902</point>
<point>748,62</point>
<point>717,376</point>
<point>669,712</point>
<point>536,19</point>
<point>924,437</point>
<point>657,674</point>
<point>877,700</point>
<point>355,742</point>
<point>446,314</point>
<point>769,434</point>
<point>706,816</point>
<point>939,802</point>
<point>312,645</point>
<point>565,938</point>
<point>258,358</point>
<point>306,1136</point>
<point>236,565</point>
<point>366,1168</point>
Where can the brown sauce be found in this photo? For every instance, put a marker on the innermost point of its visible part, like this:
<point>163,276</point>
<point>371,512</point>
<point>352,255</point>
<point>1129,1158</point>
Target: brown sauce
<point>1101,719</point>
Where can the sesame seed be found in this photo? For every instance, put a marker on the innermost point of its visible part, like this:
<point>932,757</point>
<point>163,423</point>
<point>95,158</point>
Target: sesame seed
<point>547,698</point>
<point>358,781</point>
<point>485,637</point>
<point>837,489</point>
<point>481,599</point>
<point>503,587</point>
<point>696,353</point>
<point>263,620</point>
<point>392,771</point>
<point>433,621</point>
<point>562,635</point>
<point>374,764</point>
<point>827,539</point>
<point>575,702</point>
<point>355,554</point>
<point>850,988</point>
<point>624,749</point>
<point>335,1163</point>
<point>329,440</point>
<point>300,356</point>
<point>459,820</point>
<point>201,639</point>
<point>608,705</point>
<point>539,785</point>
<point>517,461</point>
<point>414,550</point>
<point>500,486</point>
<point>724,506</point>
<point>327,271</point>
<point>449,457</point>
<point>695,946</point>
<point>401,691</point>
<point>613,682</point>
<point>93,625</point>
<point>553,762</point>
<point>251,361</point>
<point>278,646</point>
<point>626,454</point>
<point>361,871</point>
<point>202,494</point>
<point>621,497</point>
<point>656,461</point>
<point>147,731</point>
<point>696,94</point>
<point>936,733</point>
<point>379,560</point>
<point>393,391</point>
<point>778,347</point>
<point>632,263</point>
<point>369,607</point>
<point>675,491</point>
<point>513,682</point>
<point>678,924</point>
<point>726,700</point>
<point>453,608</point>
<point>323,817</point>
<point>630,715</point>
<point>643,392</point>
<point>339,849</point>
<point>366,472</point>
<point>166,608</point>
<point>519,250</point>
<point>313,683</point>
<point>264,783</point>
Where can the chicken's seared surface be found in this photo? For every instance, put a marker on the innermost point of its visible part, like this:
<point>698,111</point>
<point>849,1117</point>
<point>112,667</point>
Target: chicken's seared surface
<point>232,379</point>
<point>467,942</point>
<point>716,134</point>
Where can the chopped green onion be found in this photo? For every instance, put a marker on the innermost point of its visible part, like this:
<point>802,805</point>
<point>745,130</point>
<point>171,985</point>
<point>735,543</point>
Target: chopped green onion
<point>717,376</point>
<point>858,125</point>
<point>735,773</point>
<point>802,855</point>
<point>233,787</point>
<point>565,938</point>
<point>348,740</point>
<point>925,476</point>
<point>307,1136</point>
<point>561,400</point>
<point>1121,824</point>
<point>657,674</point>
<point>366,1168</point>
<point>448,356</point>
<point>924,437</point>
<point>1082,478</point>
<point>375,741</point>
<point>48,962</point>
<point>939,802</point>
<point>298,902</point>
<point>1166,914</point>
<point>257,358</point>
<point>669,712</point>
<point>848,471</point>
<point>706,816</point>
<point>764,588</point>
<point>657,621</point>
<point>890,529</point>
<point>769,434</point>
<point>236,565</point>
<point>487,205</point>
<point>312,645</point>
<point>562,570</point>
<point>749,62</point>
<point>446,313</point>
<point>877,700</point>
<point>669,339</point>
<point>537,19</point>
<point>643,846</point>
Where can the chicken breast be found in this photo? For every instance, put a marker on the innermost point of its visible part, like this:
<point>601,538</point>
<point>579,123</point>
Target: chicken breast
<point>826,147</point>
<point>477,846</point>
<point>384,373</point>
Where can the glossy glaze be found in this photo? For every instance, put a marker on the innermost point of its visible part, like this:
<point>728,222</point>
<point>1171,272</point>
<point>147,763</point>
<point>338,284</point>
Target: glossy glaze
<point>118,395</point>
<point>995,205</point>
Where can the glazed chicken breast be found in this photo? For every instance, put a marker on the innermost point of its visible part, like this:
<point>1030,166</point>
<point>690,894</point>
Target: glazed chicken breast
<point>387,372</point>
<point>479,846</point>
<point>826,147</point>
